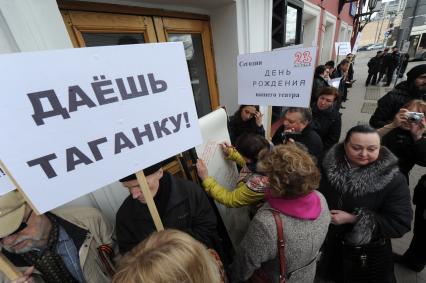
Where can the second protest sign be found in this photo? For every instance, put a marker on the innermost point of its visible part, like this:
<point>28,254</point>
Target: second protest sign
<point>277,78</point>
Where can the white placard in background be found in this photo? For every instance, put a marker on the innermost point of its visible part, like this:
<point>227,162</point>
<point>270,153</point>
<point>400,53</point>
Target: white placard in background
<point>335,82</point>
<point>214,131</point>
<point>342,48</point>
<point>6,184</point>
<point>277,78</point>
<point>115,110</point>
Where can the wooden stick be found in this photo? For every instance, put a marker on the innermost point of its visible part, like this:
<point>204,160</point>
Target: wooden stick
<point>9,269</point>
<point>149,200</point>
<point>269,124</point>
<point>27,199</point>
<point>6,266</point>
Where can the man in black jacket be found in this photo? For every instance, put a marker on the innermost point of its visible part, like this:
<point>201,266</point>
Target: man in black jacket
<point>342,72</point>
<point>181,204</point>
<point>392,62</point>
<point>296,128</point>
<point>413,88</point>
<point>374,68</point>
<point>383,66</point>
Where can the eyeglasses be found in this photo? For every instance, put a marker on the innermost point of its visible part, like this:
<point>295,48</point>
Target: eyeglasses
<point>23,225</point>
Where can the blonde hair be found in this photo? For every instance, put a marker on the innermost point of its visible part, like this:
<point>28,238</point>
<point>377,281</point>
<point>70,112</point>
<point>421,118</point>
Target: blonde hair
<point>417,105</point>
<point>291,170</point>
<point>168,256</point>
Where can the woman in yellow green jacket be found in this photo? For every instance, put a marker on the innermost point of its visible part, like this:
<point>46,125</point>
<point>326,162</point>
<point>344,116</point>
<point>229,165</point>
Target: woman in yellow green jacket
<point>251,185</point>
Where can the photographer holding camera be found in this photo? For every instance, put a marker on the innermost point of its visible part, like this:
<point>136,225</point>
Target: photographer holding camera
<point>405,135</point>
<point>389,105</point>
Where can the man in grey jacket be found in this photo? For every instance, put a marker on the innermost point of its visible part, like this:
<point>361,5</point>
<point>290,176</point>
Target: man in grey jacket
<point>67,245</point>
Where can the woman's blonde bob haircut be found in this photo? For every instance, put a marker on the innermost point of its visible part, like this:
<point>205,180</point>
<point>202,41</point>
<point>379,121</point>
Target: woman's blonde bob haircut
<point>416,105</point>
<point>168,256</point>
<point>291,170</point>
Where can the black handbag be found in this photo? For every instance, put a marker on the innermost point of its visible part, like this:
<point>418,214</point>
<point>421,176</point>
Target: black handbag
<point>368,263</point>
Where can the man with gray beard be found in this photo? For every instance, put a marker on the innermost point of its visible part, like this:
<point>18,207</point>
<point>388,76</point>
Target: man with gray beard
<point>71,245</point>
<point>389,105</point>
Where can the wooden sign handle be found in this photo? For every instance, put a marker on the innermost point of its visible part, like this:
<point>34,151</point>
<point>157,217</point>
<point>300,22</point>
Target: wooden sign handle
<point>149,200</point>
<point>269,124</point>
<point>27,199</point>
<point>9,269</point>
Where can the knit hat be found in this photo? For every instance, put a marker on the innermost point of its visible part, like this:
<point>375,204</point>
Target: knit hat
<point>416,71</point>
<point>12,210</point>
<point>149,170</point>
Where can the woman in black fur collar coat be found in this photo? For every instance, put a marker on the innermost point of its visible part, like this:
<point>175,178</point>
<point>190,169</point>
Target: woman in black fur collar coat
<point>369,202</point>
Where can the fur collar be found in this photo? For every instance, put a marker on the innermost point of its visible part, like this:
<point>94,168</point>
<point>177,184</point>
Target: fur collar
<point>359,181</point>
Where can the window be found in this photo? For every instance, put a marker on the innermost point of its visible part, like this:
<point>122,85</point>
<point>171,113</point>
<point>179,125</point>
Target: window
<point>286,23</point>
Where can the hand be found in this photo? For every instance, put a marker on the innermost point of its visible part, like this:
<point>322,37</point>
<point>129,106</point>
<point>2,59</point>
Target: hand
<point>226,148</point>
<point>339,217</point>
<point>418,129</point>
<point>26,278</point>
<point>400,117</point>
<point>202,170</point>
<point>258,116</point>
<point>290,140</point>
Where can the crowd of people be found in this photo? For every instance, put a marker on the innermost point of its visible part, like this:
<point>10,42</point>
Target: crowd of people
<point>321,210</point>
<point>384,65</point>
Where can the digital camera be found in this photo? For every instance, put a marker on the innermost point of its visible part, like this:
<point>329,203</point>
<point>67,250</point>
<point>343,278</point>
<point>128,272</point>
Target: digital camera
<point>415,117</point>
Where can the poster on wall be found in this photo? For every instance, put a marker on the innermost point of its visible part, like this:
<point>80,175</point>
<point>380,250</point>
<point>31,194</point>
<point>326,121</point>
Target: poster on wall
<point>277,78</point>
<point>90,116</point>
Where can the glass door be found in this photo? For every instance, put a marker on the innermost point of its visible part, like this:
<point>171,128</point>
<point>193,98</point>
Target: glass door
<point>196,38</point>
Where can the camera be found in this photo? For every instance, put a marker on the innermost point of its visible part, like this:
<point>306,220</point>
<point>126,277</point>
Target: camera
<point>415,117</point>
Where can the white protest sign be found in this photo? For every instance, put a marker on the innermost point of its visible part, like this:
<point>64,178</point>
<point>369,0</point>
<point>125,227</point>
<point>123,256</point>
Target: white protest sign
<point>215,131</point>
<point>82,118</point>
<point>342,48</point>
<point>356,44</point>
<point>6,184</point>
<point>335,82</point>
<point>277,78</point>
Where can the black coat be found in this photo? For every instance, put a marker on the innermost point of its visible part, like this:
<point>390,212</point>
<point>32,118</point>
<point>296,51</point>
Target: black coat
<point>391,60</point>
<point>308,137</point>
<point>374,65</point>
<point>236,128</point>
<point>318,84</point>
<point>389,105</point>
<point>327,124</point>
<point>343,89</point>
<point>409,152</point>
<point>378,193</point>
<point>188,210</point>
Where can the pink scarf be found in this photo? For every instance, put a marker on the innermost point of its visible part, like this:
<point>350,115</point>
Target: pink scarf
<point>305,207</point>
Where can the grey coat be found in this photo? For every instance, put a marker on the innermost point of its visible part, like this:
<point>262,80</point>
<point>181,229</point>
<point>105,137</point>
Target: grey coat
<point>303,239</point>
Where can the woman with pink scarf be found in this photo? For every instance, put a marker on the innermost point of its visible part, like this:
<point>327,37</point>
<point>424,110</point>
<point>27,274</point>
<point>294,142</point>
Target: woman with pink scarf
<point>294,178</point>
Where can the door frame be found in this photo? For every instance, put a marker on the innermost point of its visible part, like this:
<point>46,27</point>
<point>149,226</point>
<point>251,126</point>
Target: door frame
<point>162,20</point>
<point>129,10</point>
